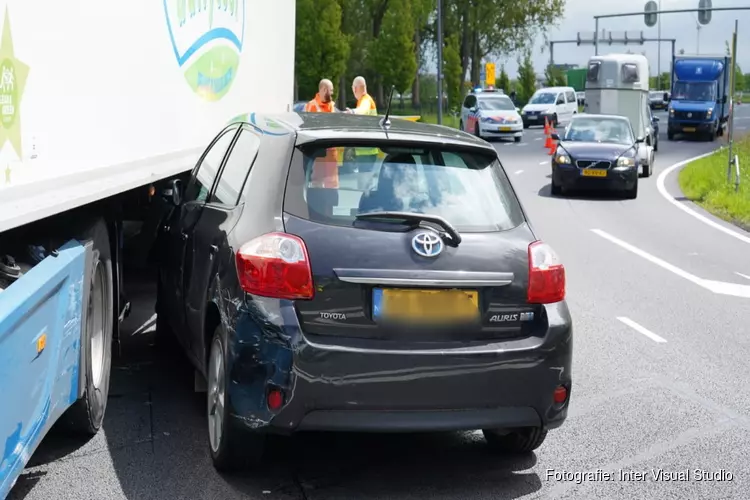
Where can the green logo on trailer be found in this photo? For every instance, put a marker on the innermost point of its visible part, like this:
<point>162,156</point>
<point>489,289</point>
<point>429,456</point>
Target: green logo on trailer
<point>13,75</point>
<point>207,39</point>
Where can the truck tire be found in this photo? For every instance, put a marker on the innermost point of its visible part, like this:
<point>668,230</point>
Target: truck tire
<point>86,415</point>
<point>670,135</point>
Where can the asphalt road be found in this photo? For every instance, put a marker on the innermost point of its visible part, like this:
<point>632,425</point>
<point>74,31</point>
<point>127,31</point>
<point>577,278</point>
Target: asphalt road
<point>661,311</point>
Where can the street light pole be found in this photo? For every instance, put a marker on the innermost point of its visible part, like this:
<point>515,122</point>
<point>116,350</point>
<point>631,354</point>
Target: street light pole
<point>440,61</point>
<point>658,57</point>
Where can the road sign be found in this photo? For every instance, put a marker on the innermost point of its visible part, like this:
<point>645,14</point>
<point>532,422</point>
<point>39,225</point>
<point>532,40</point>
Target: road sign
<point>489,69</point>
<point>704,14</point>
<point>649,13</point>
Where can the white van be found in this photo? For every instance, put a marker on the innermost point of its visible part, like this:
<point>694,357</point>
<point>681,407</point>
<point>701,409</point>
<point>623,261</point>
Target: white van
<point>557,104</point>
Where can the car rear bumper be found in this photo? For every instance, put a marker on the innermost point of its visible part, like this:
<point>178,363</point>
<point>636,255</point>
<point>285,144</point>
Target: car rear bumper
<point>571,178</point>
<point>338,385</point>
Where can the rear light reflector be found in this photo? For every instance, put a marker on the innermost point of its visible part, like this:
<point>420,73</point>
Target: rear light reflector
<point>275,399</point>
<point>546,275</point>
<point>275,265</point>
<point>560,394</point>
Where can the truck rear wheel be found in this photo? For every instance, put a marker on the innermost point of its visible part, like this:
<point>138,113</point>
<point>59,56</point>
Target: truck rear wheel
<point>87,414</point>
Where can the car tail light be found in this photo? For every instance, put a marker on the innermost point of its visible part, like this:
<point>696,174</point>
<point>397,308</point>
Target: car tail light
<point>546,275</point>
<point>275,265</point>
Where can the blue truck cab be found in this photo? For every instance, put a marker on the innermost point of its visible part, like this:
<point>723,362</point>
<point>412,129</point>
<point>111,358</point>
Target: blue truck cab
<point>700,102</point>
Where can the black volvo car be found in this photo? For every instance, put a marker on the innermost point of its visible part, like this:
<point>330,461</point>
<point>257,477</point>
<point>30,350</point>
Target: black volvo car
<point>596,152</point>
<point>408,294</point>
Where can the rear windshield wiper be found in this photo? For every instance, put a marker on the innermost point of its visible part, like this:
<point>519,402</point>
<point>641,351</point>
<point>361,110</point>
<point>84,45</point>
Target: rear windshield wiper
<point>449,230</point>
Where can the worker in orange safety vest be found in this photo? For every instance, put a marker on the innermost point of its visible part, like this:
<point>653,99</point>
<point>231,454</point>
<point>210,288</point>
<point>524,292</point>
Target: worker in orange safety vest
<point>325,172</point>
<point>366,157</point>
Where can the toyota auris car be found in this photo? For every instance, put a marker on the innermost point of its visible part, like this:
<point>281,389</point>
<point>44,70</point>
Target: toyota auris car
<point>409,296</point>
<point>596,152</point>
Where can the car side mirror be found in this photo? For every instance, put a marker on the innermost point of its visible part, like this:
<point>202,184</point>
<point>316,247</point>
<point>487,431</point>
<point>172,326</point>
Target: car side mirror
<point>639,140</point>
<point>666,97</point>
<point>474,109</point>
<point>655,118</point>
<point>173,192</point>
<point>555,136</point>
<point>518,110</point>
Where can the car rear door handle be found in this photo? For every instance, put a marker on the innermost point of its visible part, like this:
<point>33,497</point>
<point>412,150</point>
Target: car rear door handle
<point>184,236</point>
<point>213,249</point>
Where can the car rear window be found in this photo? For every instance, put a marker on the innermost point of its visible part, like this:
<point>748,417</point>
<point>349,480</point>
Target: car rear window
<point>333,184</point>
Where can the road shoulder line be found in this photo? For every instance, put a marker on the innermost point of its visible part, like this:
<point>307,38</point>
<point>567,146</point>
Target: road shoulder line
<point>641,329</point>
<point>671,199</point>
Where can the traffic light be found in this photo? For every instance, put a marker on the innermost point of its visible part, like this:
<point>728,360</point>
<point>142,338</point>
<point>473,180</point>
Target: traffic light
<point>704,14</point>
<point>649,13</point>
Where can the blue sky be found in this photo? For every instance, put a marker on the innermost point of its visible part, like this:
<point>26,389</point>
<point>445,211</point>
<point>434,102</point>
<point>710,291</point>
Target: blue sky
<point>682,27</point>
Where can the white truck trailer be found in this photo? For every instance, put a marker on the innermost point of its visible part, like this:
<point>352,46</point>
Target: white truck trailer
<point>101,104</point>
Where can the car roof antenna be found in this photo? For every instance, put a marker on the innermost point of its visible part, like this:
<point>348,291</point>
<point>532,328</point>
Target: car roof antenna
<point>386,122</point>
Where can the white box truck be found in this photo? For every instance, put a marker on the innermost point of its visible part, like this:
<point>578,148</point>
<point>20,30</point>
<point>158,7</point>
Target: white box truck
<point>101,104</point>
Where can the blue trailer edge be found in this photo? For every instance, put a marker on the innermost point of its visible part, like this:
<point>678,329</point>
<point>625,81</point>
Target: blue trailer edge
<point>700,100</point>
<point>41,325</point>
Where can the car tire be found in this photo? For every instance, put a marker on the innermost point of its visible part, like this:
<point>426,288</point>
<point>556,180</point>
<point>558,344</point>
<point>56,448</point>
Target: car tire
<point>231,448</point>
<point>517,139</point>
<point>632,193</point>
<point>86,415</point>
<point>477,132</point>
<point>554,121</point>
<point>670,135</point>
<point>461,125</point>
<point>656,145</point>
<point>516,441</point>
<point>555,189</point>
<point>526,125</point>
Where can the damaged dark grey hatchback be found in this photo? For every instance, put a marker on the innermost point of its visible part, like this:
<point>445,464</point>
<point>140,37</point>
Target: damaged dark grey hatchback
<point>325,273</point>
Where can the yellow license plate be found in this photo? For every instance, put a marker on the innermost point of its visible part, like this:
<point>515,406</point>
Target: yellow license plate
<point>594,173</point>
<point>504,129</point>
<point>425,306</point>
<point>688,129</point>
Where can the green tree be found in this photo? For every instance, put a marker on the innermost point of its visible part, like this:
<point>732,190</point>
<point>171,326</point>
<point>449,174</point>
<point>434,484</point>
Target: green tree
<point>452,72</point>
<point>393,55</point>
<point>421,12</point>
<point>503,81</point>
<point>739,77</point>
<point>526,77</point>
<point>554,77</point>
<point>496,27</point>
<point>321,49</point>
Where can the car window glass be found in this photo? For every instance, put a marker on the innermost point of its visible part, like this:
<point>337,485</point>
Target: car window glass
<point>571,97</point>
<point>543,98</point>
<point>496,104</point>
<point>467,102</point>
<point>235,171</point>
<point>560,99</point>
<point>470,190</point>
<point>599,130</point>
<point>592,74</point>
<point>200,185</point>
<point>629,73</point>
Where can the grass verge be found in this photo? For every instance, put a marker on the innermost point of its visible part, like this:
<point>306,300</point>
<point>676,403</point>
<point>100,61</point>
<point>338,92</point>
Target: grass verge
<point>705,182</point>
<point>448,120</point>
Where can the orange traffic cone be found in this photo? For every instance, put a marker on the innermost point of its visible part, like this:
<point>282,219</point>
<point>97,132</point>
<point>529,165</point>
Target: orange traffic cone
<point>549,143</point>
<point>546,126</point>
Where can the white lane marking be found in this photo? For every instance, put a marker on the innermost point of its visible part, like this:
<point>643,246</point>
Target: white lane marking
<point>743,275</point>
<point>640,329</point>
<point>518,172</point>
<point>538,138</point>
<point>718,287</point>
<point>508,144</point>
<point>542,162</point>
<point>684,208</point>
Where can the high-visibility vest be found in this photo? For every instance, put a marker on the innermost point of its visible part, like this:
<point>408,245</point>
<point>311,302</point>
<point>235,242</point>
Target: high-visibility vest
<point>318,106</point>
<point>371,110</point>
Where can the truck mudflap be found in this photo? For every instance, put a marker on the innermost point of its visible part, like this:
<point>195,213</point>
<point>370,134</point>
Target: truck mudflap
<point>41,317</point>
